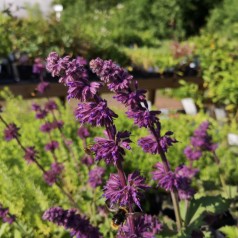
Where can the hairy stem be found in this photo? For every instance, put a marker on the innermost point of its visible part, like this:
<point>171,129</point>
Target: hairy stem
<point>42,169</point>
<point>122,177</point>
<point>63,137</point>
<point>222,179</point>
<point>174,192</point>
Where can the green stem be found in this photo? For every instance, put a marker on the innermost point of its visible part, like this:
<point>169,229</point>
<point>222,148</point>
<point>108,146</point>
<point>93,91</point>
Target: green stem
<point>221,176</point>
<point>174,192</point>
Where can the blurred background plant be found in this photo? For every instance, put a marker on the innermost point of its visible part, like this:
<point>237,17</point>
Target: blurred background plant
<point>25,192</point>
<point>152,36</point>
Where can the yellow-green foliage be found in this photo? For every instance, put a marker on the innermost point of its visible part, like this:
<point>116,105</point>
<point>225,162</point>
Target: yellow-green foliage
<point>24,191</point>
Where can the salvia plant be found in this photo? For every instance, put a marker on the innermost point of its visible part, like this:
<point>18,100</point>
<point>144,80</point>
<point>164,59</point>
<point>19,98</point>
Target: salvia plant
<point>123,192</point>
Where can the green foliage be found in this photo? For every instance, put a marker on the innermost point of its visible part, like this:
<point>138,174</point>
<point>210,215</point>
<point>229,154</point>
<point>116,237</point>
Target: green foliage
<point>195,13</point>
<point>24,191</point>
<point>224,19</point>
<point>219,68</point>
<point>230,231</point>
<point>147,58</point>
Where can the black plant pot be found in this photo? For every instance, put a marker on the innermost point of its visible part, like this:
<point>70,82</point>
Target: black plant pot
<point>6,74</point>
<point>24,73</point>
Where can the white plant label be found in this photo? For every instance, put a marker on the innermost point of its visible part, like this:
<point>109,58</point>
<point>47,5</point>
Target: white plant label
<point>189,106</point>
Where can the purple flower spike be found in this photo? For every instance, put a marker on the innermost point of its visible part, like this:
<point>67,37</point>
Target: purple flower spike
<point>96,114</point>
<point>127,195</point>
<point>6,216</point>
<point>173,180</point>
<point>166,141</point>
<point>192,153</point>
<point>109,72</point>
<point>186,192</point>
<point>81,61</point>
<point>46,127</point>
<point>143,117</point>
<point>30,154</point>
<point>82,90</point>
<point>96,66</point>
<point>73,72</point>
<point>95,177</point>
<point>51,105</point>
<point>166,180</point>
<point>150,145</point>
<point>78,226</point>
<point>131,99</point>
<point>87,160</point>
<point>38,66</point>
<point>187,172</point>
<point>52,146</point>
<point>200,141</point>
<point>41,114</point>
<point>56,65</point>
<point>109,150</point>
<point>42,87</point>
<point>11,132</point>
<point>146,226</point>
<point>52,175</point>
<point>57,124</point>
<point>35,107</point>
<point>83,132</point>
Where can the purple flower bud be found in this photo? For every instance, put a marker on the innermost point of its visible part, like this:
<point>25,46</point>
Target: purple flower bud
<point>35,107</point>
<point>192,153</point>
<point>55,64</point>
<point>51,105</point>
<point>95,177</point>
<point>200,141</point>
<point>116,77</point>
<point>52,146</point>
<point>38,66</point>
<point>73,72</point>
<point>166,180</point>
<point>87,160</point>
<point>81,61</point>
<point>30,154</point>
<point>96,114</point>
<point>52,175</point>
<point>109,150</point>
<point>187,172</point>
<point>131,99</point>
<point>83,132</point>
<point>146,226</point>
<point>11,132</point>
<point>143,117</point>
<point>41,114</point>
<point>150,145</point>
<point>71,220</point>
<point>169,181</point>
<point>57,124</point>
<point>46,127</point>
<point>6,216</point>
<point>42,87</point>
<point>127,195</point>
<point>82,90</point>
<point>166,141</point>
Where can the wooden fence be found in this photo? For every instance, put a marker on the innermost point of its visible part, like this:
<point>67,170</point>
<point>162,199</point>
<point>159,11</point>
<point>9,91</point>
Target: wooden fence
<point>26,89</point>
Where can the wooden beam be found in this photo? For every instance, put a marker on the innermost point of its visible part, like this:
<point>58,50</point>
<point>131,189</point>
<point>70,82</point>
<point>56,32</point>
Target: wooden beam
<point>25,89</point>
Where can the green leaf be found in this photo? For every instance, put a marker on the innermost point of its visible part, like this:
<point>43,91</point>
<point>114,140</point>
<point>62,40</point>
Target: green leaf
<point>213,204</point>
<point>230,231</point>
